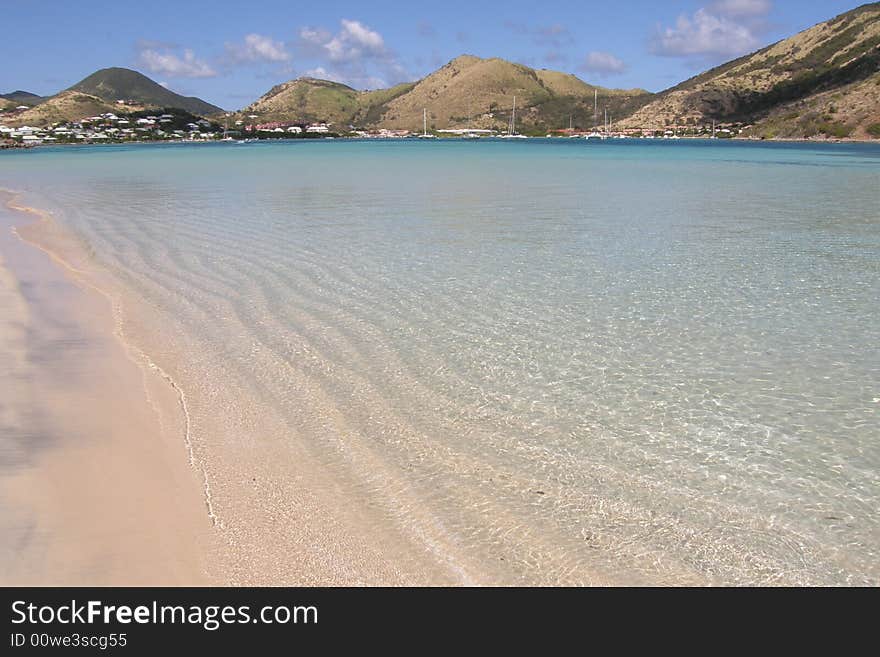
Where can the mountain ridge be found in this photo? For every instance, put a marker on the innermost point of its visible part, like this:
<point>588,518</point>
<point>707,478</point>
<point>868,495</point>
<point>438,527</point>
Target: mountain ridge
<point>66,106</point>
<point>468,91</point>
<point>793,75</point>
<point>22,98</point>
<point>100,93</point>
<point>822,81</point>
<point>117,83</point>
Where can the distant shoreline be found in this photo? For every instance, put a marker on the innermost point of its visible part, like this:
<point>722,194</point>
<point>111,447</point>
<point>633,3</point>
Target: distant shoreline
<point>739,140</point>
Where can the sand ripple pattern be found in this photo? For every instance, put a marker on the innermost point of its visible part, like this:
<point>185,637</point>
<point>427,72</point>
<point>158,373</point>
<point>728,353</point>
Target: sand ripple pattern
<point>539,363</point>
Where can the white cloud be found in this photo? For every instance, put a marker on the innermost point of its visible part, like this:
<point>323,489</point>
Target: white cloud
<point>257,48</point>
<point>173,65</point>
<point>705,34</point>
<point>354,41</point>
<point>314,37</point>
<point>603,63</point>
<point>366,82</point>
<point>355,55</point>
<point>321,73</point>
<point>741,8</point>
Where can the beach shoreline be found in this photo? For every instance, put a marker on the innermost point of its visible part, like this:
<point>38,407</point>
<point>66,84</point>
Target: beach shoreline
<point>94,472</point>
<point>473,381</point>
<point>289,525</point>
<point>771,140</point>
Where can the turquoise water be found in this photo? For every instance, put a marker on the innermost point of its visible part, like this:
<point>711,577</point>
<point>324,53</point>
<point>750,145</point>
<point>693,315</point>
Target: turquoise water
<point>619,361</point>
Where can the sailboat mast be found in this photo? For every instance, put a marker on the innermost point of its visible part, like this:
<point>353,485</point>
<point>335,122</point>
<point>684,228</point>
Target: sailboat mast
<point>595,106</point>
<point>425,121</point>
<point>513,118</point>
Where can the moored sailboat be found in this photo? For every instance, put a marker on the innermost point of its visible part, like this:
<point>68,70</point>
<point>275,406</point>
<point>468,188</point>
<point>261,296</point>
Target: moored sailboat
<point>511,126</point>
<point>425,134</point>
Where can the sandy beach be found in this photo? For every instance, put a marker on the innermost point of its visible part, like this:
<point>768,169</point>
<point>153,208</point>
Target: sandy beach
<point>399,367</point>
<point>106,482</point>
<point>95,482</point>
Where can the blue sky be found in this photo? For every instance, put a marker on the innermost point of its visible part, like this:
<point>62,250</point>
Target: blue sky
<point>231,53</point>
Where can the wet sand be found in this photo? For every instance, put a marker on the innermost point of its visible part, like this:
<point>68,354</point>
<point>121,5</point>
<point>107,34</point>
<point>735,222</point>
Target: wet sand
<point>96,487</point>
<point>111,474</point>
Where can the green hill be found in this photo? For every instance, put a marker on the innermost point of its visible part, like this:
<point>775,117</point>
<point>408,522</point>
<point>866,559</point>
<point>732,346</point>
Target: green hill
<point>23,98</point>
<point>305,100</point>
<point>64,106</point>
<point>113,84</point>
<point>468,91</point>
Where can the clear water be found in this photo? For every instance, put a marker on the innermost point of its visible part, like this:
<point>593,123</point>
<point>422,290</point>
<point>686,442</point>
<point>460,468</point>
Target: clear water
<point>629,361</point>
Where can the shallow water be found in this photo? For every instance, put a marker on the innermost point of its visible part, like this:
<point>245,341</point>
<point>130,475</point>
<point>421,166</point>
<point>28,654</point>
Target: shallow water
<point>571,362</point>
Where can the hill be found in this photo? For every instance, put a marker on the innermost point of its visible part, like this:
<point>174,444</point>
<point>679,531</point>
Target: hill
<point>822,81</point>
<point>112,84</point>
<point>65,106</point>
<point>22,98</point>
<point>306,99</point>
<point>468,91</point>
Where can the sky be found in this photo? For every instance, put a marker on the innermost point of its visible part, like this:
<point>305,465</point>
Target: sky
<point>230,53</point>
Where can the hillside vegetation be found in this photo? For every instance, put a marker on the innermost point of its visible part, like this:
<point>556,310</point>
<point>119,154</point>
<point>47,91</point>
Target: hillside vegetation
<point>822,81</point>
<point>20,97</point>
<point>466,92</point>
<point>305,100</point>
<point>469,91</point>
<point>112,84</point>
<point>63,107</point>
